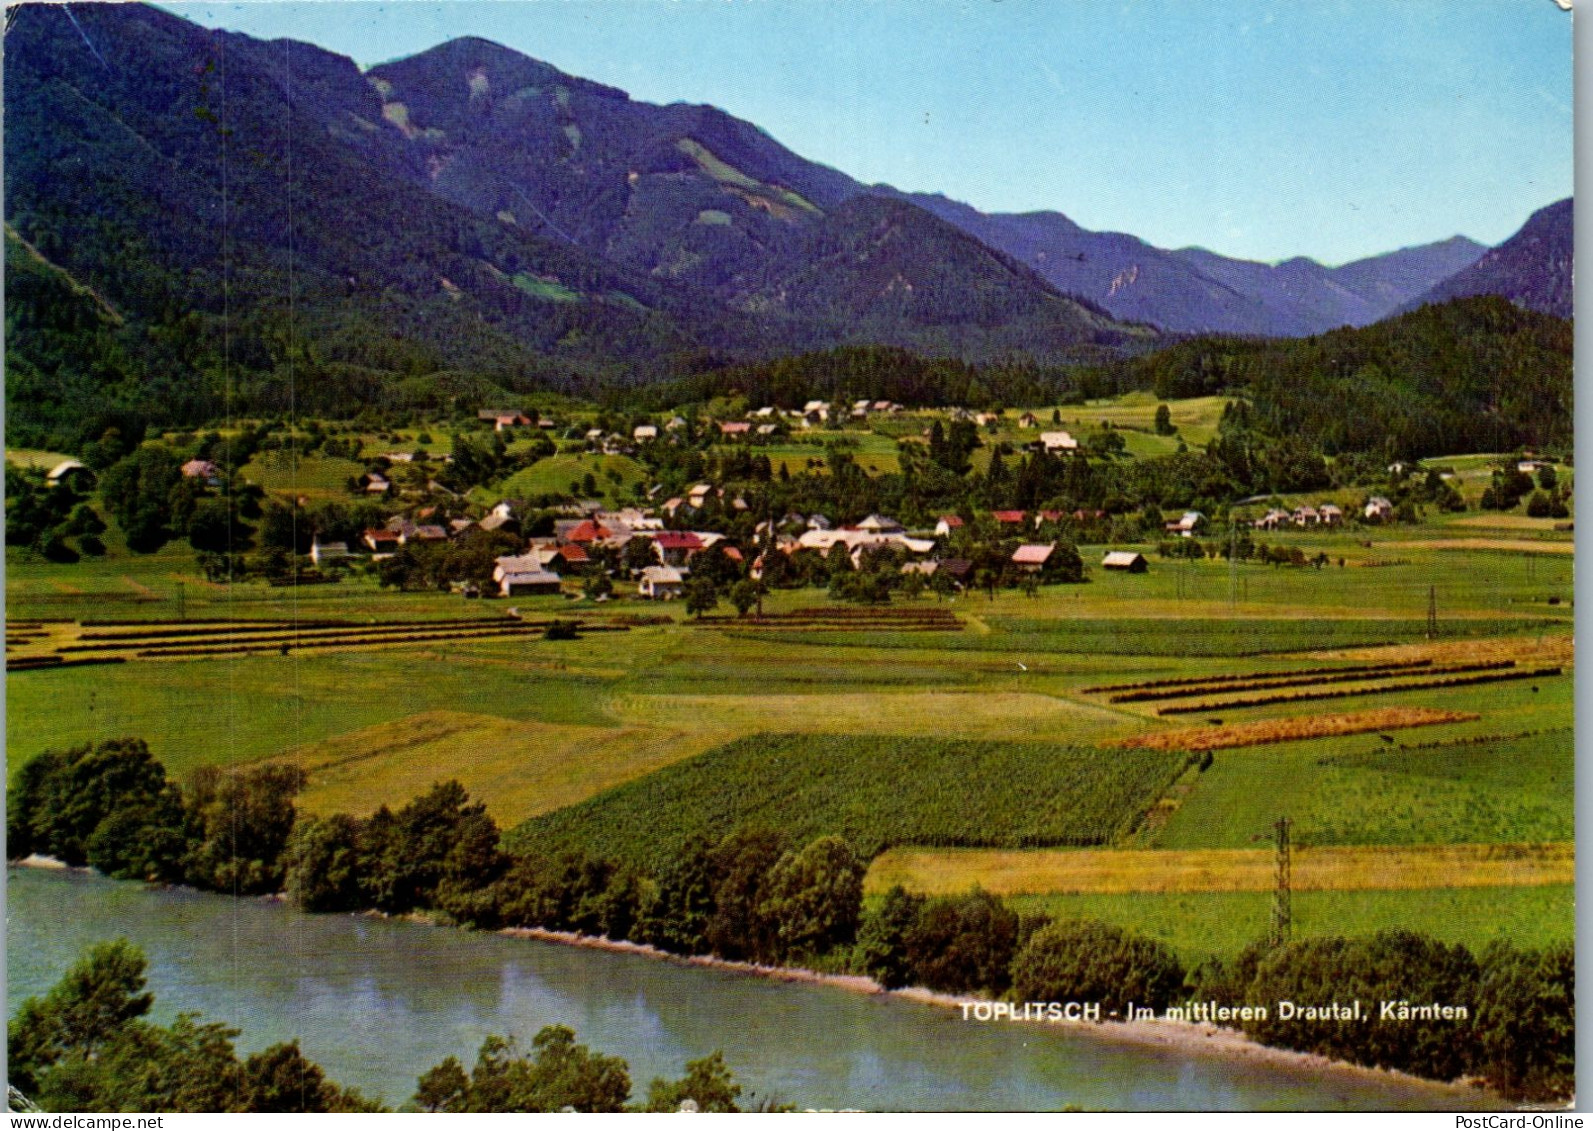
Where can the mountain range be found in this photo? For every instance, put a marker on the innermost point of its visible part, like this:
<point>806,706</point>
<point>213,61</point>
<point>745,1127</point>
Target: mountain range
<point>274,223</point>
<point>1532,268</point>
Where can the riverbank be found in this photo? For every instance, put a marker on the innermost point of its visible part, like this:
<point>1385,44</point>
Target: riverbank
<point>1211,1043</point>
<point>1181,1037</point>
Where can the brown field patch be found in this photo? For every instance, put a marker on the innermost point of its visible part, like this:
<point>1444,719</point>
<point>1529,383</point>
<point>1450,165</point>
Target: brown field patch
<point>1554,648</point>
<point>141,589</point>
<point>1512,545</point>
<point>1518,522</point>
<point>1044,871</point>
<point>1268,731</point>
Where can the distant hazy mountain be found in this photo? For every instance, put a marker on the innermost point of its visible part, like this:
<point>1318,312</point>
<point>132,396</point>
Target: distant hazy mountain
<point>1532,268</point>
<point>269,225</point>
<point>1193,290</point>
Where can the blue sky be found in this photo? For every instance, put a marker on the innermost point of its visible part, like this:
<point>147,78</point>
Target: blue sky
<point>1328,128</point>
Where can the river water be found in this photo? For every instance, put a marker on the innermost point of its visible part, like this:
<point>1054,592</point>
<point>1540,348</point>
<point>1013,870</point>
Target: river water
<point>377,1002</point>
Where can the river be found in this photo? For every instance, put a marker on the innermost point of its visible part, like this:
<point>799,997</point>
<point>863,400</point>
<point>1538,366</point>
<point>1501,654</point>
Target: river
<point>377,1002</point>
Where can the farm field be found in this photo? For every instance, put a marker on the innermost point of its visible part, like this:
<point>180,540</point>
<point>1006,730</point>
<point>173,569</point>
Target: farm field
<point>1199,926</point>
<point>874,452</point>
<point>35,457</point>
<point>588,741</point>
<point>1130,871</point>
<point>614,477</point>
<point>875,792</point>
<point>312,477</point>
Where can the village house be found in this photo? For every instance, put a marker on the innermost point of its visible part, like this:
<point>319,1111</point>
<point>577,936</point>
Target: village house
<point>1187,525</point>
<point>735,428</point>
<point>322,553</point>
<point>1028,420</point>
<point>1058,442</point>
<point>879,524</point>
<point>1273,519</point>
<point>661,583</point>
<point>508,420</point>
<point>675,547</point>
<point>644,432</point>
<point>424,533</point>
<point>957,569</point>
<point>948,523</point>
<point>816,412</point>
<point>631,519</point>
<point>530,583</point>
<point>766,411</point>
<point>375,484</point>
<point>1330,514</point>
<point>572,557</point>
<point>1306,516</point>
<point>856,541</point>
<point>380,541</point>
<point>1031,558</point>
<point>203,469</point>
<point>768,429</point>
<point>675,424</point>
<point>1377,509</point>
<point>71,472</point>
<point>1010,518</point>
<point>1126,561</point>
<point>585,532</point>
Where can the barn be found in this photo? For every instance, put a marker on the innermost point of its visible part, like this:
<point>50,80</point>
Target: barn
<point>1125,561</point>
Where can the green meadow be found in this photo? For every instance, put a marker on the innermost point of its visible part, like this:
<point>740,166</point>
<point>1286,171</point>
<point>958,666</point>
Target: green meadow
<point>630,739</point>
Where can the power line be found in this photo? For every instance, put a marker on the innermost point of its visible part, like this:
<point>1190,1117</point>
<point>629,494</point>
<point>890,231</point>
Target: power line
<point>1282,894</point>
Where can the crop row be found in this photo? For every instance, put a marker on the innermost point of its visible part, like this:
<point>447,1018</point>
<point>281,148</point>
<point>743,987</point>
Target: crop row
<point>1185,681</point>
<point>1305,681</point>
<point>1346,693</point>
<point>848,626</point>
<point>876,791</point>
<point>51,663</point>
<point>330,642</point>
<point>290,636</point>
<point>1477,740</point>
<point>224,628</point>
<point>821,612</point>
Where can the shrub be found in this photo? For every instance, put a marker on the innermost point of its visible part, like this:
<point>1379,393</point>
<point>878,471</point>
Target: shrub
<point>1086,960</point>
<point>962,943</point>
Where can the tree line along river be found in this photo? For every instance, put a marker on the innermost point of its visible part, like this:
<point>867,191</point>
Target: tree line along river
<point>377,1002</point>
